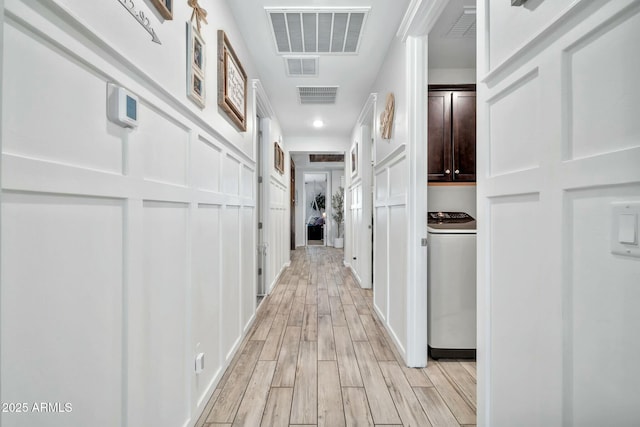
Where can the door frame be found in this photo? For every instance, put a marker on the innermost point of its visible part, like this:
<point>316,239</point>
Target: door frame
<point>414,29</point>
<point>366,123</point>
<point>327,210</point>
<point>261,129</point>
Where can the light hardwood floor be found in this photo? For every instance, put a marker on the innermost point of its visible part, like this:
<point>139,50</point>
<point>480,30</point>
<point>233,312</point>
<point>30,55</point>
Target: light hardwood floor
<point>318,355</point>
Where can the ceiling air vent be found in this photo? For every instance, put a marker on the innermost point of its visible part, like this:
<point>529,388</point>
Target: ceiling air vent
<point>301,66</point>
<point>465,26</point>
<point>317,94</point>
<point>329,31</point>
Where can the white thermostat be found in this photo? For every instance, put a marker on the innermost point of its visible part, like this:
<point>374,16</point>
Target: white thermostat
<point>122,106</point>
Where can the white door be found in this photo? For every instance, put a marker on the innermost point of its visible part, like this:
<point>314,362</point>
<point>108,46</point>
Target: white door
<point>558,146</point>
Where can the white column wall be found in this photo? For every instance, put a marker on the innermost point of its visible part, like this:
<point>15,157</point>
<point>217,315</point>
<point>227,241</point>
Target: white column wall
<point>559,143</point>
<point>124,252</point>
<point>390,200</point>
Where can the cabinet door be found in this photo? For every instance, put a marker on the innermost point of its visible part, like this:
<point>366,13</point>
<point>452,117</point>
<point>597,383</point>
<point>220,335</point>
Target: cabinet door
<point>439,122</point>
<point>464,136</point>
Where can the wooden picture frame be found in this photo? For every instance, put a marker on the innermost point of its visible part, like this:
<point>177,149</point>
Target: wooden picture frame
<point>278,158</point>
<point>165,7</point>
<point>196,63</point>
<point>232,83</point>
<point>354,159</point>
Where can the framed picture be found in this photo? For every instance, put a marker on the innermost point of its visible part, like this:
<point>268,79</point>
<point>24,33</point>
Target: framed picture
<point>232,83</point>
<point>165,7</point>
<point>278,158</point>
<point>195,66</point>
<point>354,159</point>
<point>281,162</point>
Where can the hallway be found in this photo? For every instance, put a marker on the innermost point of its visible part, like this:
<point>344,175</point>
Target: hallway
<point>317,355</point>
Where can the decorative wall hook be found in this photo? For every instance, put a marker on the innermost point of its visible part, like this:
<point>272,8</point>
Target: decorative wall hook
<point>198,13</point>
<point>386,118</point>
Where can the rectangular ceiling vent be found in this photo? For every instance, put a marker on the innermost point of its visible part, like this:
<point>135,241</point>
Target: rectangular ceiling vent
<point>302,66</point>
<point>317,94</point>
<point>465,26</point>
<point>327,31</point>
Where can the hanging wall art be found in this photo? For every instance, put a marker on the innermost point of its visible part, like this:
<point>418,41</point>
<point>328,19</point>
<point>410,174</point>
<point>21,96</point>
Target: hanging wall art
<point>195,66</point>
<point>386,118</point>
<point>165,7</point>
<point>232,83</point>
<point>278,158</point>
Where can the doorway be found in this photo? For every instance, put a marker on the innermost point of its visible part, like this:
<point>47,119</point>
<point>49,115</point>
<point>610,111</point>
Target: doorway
<point>316,188</point>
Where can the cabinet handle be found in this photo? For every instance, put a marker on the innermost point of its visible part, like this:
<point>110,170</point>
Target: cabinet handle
<point>457,171</point>
<point>447,172</point>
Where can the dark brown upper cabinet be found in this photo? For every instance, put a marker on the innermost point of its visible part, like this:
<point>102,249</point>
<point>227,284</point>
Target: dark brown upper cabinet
<point>452,135</point>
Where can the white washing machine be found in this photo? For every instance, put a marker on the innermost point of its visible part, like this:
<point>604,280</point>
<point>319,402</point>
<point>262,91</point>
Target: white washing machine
<point>451,290</point>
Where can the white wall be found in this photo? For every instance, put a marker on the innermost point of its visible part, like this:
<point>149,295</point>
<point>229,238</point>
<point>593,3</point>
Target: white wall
<point>314,144</point>
<point>452,198</point>
<point>391,214</point>
<point>124,252</point>
<point>557,310</point>
<point>452,76</point>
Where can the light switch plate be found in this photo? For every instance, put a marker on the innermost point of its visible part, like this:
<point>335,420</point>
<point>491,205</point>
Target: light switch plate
<point>199,363</point>
<point>625,227</point>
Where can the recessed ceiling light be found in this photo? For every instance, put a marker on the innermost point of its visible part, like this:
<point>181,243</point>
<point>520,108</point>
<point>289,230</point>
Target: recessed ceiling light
<point>318,123</point>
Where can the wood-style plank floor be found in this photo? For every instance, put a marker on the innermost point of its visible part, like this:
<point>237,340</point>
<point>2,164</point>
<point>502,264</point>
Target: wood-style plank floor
<point>317,355</point>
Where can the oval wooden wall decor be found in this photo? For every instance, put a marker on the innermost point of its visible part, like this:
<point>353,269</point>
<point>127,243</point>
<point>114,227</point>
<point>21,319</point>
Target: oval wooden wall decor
<point>386,118</point>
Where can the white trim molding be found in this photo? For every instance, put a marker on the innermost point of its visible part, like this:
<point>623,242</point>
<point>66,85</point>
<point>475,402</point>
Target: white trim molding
<point>417,64</point>
<point>420,18</point>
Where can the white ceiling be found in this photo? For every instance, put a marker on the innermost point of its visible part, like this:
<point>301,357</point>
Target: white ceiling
<point>451,52</point>
<point>353,73</point>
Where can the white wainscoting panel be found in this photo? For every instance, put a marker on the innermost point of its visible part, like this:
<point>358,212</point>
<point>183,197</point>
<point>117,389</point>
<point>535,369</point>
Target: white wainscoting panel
<point>398,243</point>
<point>165,275</point>
<point>514,116</point>
<point>398,179</point>
<point>230,278</point>
<point>230,175</point>
<point>391,245</point>
<point>62,272</point>
<point>206,165</point>
<point>164,146</point>
<point>602,101</point>
<point>382,184</point>
<point>248,267</point>
<point>522,305</point>
<point>246,182</point>
<point>601,303</point>
<point>381,263</point>
<point>206,292</point>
